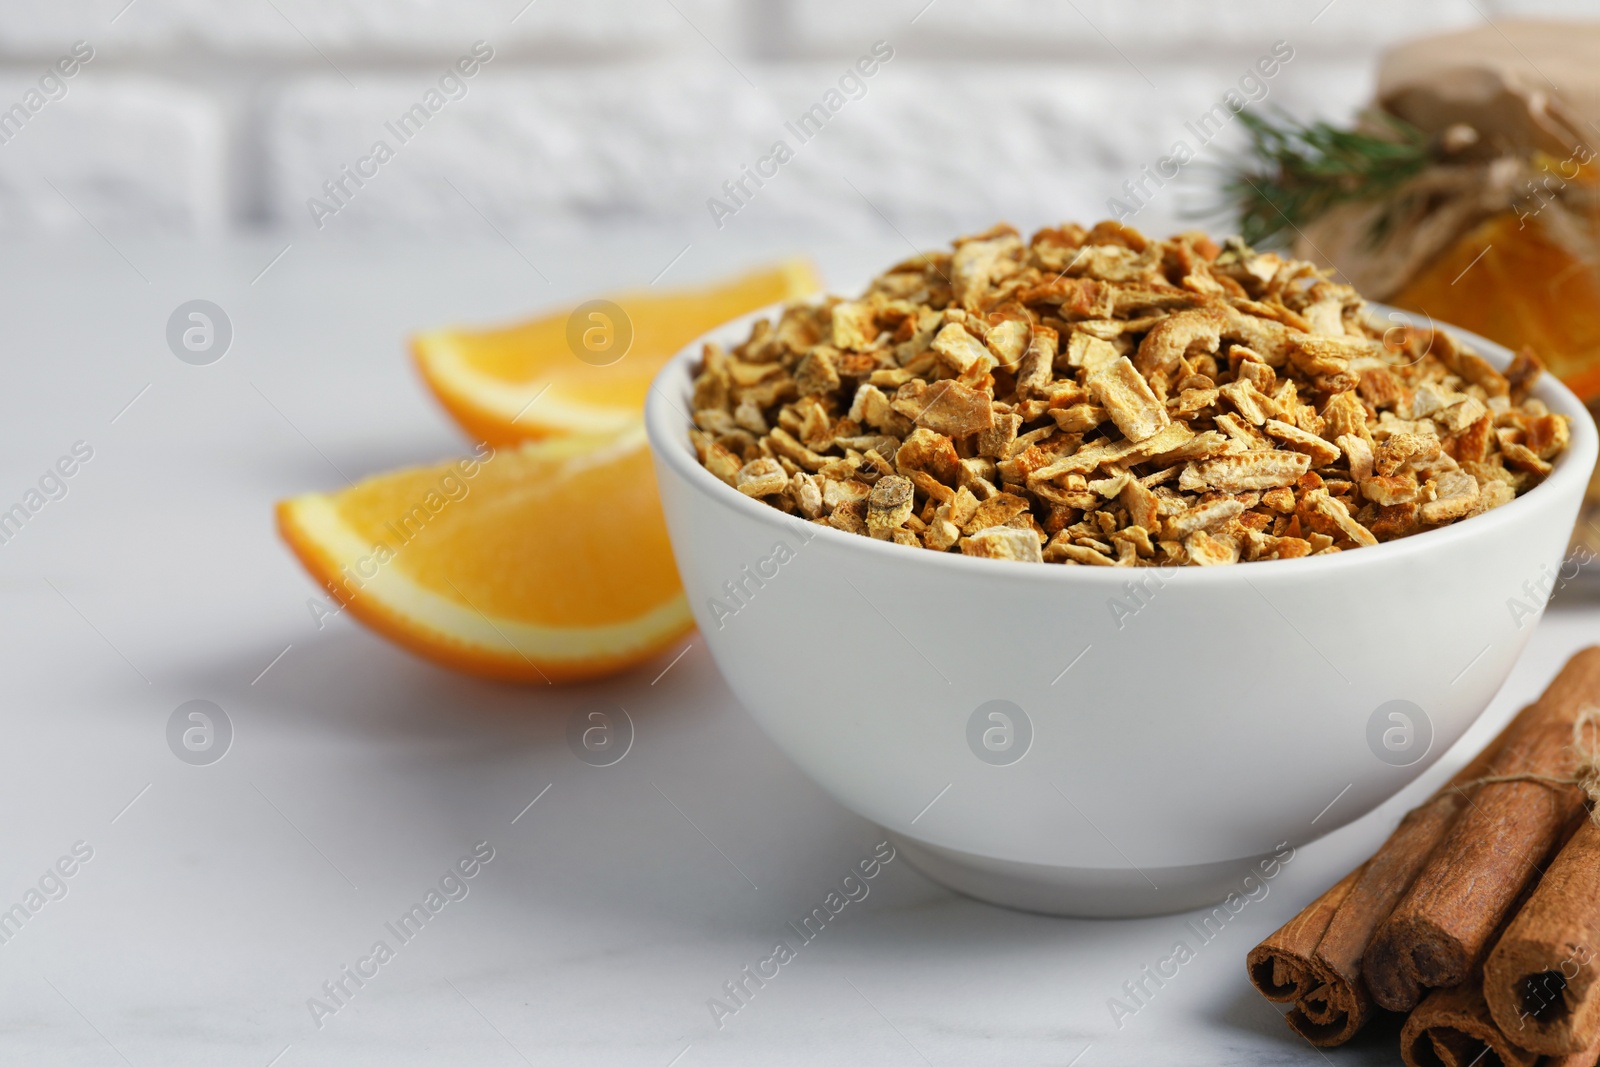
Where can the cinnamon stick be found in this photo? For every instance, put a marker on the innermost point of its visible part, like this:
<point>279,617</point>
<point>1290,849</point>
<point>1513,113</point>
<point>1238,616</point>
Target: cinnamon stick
<point>1540,979</point>
<point>1441,929</point>
<point>1282,968</point>
<point>1315,959</point>
<point>1453,1028</point>
<point>1589,1057</point>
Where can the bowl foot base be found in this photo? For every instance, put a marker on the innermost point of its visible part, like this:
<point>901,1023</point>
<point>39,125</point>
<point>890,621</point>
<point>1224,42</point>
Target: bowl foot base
<point>1084,892</point>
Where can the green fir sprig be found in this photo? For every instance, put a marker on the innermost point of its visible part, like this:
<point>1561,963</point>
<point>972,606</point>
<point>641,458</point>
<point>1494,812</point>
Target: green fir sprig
<point>1293,172</point>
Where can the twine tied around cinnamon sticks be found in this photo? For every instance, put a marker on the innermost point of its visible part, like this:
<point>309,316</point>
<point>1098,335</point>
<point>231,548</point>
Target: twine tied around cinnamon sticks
<point>1586,775</point>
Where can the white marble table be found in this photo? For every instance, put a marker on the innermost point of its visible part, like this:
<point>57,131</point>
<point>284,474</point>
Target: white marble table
<point>219,898</point>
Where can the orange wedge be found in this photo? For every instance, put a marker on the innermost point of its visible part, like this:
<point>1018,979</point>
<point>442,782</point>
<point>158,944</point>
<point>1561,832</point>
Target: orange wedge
<point>577,370</point>
<point>540,562</point>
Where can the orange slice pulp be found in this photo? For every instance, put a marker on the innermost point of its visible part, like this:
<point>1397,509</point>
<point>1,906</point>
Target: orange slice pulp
<point>539,562</point>
<point>584,369</point>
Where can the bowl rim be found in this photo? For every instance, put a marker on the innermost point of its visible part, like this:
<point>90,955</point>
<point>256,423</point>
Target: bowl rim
<point>667,425</point>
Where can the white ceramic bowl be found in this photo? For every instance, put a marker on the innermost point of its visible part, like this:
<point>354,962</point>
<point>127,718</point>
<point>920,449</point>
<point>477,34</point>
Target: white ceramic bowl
<point>1169,738</point>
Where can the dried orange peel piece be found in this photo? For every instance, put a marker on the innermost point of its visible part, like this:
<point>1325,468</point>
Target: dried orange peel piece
<point>528,381</point>
<point>540,562</point>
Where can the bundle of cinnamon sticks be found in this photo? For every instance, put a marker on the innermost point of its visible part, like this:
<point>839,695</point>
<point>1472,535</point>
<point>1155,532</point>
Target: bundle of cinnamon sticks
<point>1479,916</point>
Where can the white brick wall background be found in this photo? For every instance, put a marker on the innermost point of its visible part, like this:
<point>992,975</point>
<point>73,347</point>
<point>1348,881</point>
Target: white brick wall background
<point>200,117</point>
